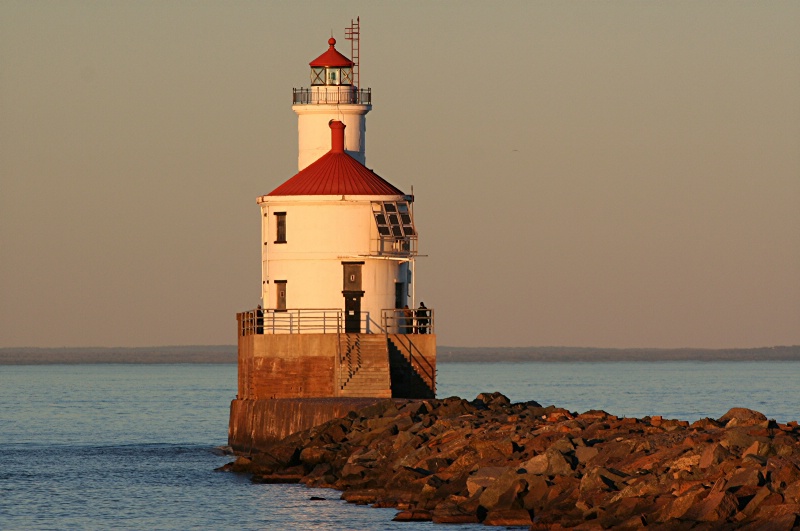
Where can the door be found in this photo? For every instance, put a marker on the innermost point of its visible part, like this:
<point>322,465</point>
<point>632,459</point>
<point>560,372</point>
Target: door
<point>352,314</point>
<point>280,295</point>
<point>351,290</point>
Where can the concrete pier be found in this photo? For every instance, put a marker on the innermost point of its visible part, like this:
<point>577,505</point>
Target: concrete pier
<point>255,424</point>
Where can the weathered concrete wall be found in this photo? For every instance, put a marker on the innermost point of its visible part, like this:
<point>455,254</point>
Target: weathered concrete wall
<point>290,382</point>
<point>307,365</point>
<point>288,365</point>
<point>254,424</point>
<point>245,365</point>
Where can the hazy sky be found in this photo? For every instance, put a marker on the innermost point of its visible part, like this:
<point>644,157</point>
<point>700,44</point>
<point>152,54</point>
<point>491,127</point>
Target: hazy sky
<point>612,174</point>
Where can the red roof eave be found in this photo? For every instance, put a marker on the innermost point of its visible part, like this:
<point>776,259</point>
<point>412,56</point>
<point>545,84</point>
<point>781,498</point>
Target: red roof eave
<point>331,57</point>
<point>336,174</point>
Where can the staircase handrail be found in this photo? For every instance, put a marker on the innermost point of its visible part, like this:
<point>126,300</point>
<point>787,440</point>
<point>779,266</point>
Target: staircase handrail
<point>368,320</point>
<point>352,351</point>
<point>420,359</point>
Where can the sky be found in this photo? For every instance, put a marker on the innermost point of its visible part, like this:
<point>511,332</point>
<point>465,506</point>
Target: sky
<point>607,174</point>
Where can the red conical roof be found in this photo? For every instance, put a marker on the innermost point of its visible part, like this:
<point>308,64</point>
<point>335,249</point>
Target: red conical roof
<point>336,173</point>
<point>331,57</point>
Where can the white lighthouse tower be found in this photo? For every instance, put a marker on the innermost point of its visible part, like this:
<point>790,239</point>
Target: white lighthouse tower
<point>334,95</point>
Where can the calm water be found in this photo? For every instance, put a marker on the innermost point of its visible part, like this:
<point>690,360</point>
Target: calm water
<point>132,446</point>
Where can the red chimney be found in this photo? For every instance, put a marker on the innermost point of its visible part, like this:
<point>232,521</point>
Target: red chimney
<point>337,136</point>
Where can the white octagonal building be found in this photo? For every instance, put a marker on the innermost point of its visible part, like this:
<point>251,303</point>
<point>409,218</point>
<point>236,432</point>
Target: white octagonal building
<point>338,234</point>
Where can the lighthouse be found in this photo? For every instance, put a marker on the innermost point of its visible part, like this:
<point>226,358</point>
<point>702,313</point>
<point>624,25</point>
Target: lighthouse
<point>337,326</point>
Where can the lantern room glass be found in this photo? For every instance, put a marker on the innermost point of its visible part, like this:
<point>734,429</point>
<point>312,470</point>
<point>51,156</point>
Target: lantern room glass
<point>331,75</point>
<point>317,75</point>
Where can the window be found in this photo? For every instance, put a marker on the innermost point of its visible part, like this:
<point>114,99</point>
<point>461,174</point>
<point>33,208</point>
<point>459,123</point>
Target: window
<point>393,219</point>
<point>317,75</point>
<point>405,219</point>
<point>395,227</point>
<point>280,227</point>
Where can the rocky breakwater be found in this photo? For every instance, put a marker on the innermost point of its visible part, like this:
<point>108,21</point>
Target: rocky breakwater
<point>490,461</point>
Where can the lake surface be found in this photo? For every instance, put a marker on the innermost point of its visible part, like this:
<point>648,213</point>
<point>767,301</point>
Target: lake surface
<point>133,446</point>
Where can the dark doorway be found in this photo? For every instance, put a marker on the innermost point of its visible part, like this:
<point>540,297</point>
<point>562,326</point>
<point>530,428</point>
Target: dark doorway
<point>352,292</point>
<point>399,294</point>
<point>352,314</point>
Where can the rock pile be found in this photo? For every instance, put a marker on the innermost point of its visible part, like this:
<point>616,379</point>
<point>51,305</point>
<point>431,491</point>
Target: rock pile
<point>490,461</point>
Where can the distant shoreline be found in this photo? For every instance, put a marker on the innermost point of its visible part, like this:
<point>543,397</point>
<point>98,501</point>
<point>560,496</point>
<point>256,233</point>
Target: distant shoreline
<point>122,355</point>
<point>221,354</point>
<point>593,354</point>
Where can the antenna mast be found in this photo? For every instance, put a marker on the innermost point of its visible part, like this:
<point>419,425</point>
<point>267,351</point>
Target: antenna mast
<point>353,34</point>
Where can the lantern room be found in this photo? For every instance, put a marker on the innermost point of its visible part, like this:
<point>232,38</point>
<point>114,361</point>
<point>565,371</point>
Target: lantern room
<point>331,68</point>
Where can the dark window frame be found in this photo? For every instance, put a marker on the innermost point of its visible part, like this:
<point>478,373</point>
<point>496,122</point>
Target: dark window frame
<point>280,227</point>
<point>394,220</point>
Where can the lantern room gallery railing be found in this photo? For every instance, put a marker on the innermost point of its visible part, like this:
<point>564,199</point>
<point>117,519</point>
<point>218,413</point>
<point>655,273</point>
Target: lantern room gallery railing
<point>331,321</point>
<point>304,96</point>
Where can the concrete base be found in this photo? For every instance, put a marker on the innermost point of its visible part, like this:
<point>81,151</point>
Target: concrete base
<point>273,366</point>
<point>255,424</point>
<point>292,382</point>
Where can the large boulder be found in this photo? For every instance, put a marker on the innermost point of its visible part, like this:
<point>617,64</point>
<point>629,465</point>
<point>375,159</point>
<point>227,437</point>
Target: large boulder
<point>483,477</point>
<point>491,400</point>
<point>740,416</point>
<point>451,511</point>
<point>718,506</point>
<point>713,455</point>
<point>600,478</point>
<point>550,463</point>
<point>505,492</point>
<point>508,517</point>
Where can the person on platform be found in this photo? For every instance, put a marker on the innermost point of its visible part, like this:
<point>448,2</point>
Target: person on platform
<point>407,321</point>
<point>259,320</point>
<point>422,319</point>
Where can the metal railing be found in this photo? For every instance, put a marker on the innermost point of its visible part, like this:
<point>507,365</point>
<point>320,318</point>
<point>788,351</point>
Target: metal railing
<point>408,321</point>
<point>391,246</point>
<point>371,326</point>
<point>305,321</point>
<point>304,96</point>
<point>349,358</point>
